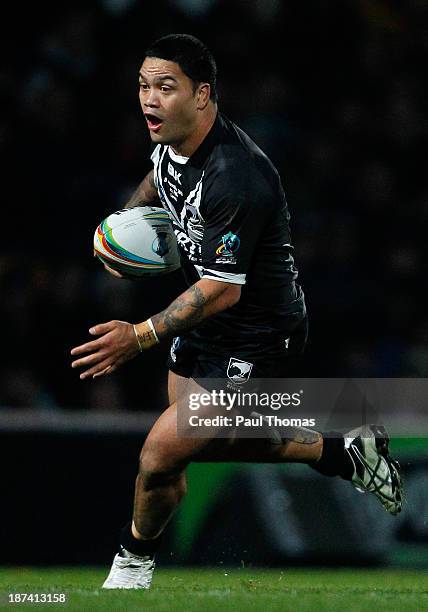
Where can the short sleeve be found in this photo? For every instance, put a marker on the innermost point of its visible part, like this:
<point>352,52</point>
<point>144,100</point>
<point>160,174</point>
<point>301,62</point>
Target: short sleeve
<point>155,156</point>
<point>232,231</point>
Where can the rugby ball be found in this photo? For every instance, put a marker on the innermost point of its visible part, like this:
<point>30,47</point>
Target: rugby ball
<point>138,242</point>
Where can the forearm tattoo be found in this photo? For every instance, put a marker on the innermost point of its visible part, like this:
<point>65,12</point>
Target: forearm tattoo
<point>183,314</point>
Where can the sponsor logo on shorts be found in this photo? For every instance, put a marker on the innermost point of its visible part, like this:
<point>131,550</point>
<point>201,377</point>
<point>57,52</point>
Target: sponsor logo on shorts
<point>174,346</point>
<point>239,371</point>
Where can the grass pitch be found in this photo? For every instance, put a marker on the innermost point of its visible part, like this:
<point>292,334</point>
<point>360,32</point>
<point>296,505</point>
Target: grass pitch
<point>249,590</point>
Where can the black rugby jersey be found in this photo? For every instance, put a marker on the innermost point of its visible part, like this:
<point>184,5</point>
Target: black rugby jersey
<point>231,221</point>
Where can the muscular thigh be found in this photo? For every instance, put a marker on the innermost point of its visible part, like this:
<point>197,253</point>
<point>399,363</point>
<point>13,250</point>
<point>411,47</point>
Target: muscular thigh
<point>166,450</point>
<point>176,386</point>
<point>179,451</point>
<point>207,449</point>
<point>230,448</point>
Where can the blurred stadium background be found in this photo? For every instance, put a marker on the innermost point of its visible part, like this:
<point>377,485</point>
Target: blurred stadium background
<point>333,92</point>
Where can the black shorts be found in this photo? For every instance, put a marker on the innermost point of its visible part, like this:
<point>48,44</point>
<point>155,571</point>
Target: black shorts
<point>274,359</point>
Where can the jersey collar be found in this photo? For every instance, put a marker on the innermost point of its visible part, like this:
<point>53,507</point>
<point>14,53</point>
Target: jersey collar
<point>211,139</point>
<point>180,159</point>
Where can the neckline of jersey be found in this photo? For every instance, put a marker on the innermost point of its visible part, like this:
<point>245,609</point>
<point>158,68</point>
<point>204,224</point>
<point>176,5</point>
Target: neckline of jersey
<point>180,159</point>
<point>199,156</point>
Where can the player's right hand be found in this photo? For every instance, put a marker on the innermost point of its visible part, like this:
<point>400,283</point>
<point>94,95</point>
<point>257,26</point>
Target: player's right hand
<point>116,344</point>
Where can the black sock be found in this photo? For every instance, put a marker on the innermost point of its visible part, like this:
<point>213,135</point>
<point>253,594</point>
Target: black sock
<point>334,460</point>
<point>142,548</point>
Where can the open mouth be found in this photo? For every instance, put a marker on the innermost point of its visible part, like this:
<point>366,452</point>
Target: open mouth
<point>153,122</point>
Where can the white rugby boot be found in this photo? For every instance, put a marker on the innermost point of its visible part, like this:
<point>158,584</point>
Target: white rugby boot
<point>130,571</point>
<point>374,470</point>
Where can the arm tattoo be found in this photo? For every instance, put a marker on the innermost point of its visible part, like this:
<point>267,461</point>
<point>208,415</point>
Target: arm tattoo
<point>145,194</point>
<point>183,314</point>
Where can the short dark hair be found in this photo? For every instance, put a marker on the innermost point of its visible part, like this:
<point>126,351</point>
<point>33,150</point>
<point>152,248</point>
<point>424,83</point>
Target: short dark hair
<point>193,57</point>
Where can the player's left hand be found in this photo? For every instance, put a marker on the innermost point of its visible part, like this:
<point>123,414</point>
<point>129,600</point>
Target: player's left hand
<point>114,273</point>
<point>116,345</point>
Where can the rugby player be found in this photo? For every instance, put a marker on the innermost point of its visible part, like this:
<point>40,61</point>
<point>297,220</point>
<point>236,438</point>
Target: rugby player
<point>243,311</point>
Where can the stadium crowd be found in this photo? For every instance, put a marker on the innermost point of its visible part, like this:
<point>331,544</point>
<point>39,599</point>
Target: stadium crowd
<point>331,91</point>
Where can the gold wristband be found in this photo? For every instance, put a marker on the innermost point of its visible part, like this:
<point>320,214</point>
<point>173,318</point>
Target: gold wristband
<point>137,337</point>
<point>146,337</point>
<point>152,327</point>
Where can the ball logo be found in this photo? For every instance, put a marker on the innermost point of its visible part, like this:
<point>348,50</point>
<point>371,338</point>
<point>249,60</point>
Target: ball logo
<point>239,371</point>
<point>160,244</point>
<point>229,244</point>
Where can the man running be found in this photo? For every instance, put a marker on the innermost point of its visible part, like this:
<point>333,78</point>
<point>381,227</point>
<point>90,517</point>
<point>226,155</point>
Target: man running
<point>243,313</point>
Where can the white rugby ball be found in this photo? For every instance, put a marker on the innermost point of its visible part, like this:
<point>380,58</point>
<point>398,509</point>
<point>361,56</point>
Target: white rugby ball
<point>138,241</point>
